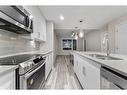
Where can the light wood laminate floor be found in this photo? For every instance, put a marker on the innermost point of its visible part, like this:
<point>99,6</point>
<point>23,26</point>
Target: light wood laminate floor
<point>62,76</point>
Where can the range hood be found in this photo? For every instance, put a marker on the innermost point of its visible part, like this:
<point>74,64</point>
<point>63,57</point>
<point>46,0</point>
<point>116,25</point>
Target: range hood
<point>15,19</point>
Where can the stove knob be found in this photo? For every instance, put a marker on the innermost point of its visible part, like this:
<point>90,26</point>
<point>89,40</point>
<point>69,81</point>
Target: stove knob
<point>28,66</point>
<point>31,65</point>
<point>25,68</point>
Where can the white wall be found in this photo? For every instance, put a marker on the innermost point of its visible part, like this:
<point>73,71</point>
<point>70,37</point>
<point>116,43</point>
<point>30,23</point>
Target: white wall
<point>112,28</point>
<point>93,41</point>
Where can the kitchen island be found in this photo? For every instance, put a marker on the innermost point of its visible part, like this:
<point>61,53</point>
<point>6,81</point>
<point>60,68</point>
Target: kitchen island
<point>87,67</point>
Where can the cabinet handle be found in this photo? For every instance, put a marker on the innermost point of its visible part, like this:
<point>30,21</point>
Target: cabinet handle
<point>84,71</point>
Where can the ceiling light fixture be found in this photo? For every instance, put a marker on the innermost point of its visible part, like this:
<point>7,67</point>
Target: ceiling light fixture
<point>73,34</point>
<point>79,34</point>
<point>76,37</point>
<point>61,17</point>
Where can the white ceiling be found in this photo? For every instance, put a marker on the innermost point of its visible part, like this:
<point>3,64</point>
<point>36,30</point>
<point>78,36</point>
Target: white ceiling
<point>95,17</point>
<point>68,32</point>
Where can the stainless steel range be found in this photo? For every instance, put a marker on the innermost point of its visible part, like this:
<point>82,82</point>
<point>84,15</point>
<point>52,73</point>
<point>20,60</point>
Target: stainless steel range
<point>31,71</point>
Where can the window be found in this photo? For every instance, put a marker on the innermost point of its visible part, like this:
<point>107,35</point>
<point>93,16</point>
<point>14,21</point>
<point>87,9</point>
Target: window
<point>69,44</point>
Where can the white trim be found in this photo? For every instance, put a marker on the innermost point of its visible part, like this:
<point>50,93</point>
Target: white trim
<point>84,40</point>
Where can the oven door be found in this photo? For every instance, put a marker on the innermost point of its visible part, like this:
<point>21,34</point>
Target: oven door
<point>34,79</point>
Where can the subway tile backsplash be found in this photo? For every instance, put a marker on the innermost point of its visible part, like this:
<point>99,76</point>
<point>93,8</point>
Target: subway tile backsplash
<point>13,43</point>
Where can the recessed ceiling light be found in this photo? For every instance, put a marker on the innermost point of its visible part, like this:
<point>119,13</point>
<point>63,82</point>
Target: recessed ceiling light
<point>61,17</point>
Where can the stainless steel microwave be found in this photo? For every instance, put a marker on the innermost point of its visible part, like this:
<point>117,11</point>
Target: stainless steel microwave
<point>16,19</point>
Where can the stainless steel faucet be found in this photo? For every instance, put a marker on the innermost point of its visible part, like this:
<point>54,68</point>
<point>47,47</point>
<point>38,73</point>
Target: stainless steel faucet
<point>106,41</point>
<point>108,49</point>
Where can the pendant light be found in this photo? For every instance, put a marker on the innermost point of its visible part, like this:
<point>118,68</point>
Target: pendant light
<point>81,33</point>
<point>76,36</point>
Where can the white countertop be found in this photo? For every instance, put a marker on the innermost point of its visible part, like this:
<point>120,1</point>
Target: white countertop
<point>117,65</point>
<point>7,68</point>
<point>31,52</point>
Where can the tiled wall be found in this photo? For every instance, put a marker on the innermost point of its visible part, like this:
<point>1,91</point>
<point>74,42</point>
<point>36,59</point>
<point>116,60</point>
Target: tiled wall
<point>13,43</point>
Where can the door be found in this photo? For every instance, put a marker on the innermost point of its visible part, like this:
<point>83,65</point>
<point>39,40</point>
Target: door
<point>84,46</point>
<point>121,38</point>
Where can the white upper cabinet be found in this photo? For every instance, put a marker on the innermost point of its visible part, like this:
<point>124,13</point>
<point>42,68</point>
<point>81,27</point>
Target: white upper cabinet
<point>39,23</point>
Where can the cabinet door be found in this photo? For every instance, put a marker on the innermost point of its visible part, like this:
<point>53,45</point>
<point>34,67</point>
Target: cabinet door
<point>121,38</point>
<point>48,65</point>
<point>75,63</point>
<point>42,27</point>
<point>7,80</point>
<point>39,23</point>
<point>76,66</point>
<point>88,74</point>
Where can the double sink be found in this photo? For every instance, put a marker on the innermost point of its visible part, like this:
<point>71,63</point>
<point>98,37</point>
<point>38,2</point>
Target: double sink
<point>104,57</point>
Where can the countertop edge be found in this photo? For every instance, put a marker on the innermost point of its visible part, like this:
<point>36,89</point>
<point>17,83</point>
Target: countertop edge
<point>7,68</point>
<point>31,52</point>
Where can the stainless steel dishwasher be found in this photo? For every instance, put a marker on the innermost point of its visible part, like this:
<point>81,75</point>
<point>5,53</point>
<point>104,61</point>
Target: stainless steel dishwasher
<point>111,79</point>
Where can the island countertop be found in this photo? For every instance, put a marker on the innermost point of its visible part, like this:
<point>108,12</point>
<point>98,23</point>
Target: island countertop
<point>119,66</point>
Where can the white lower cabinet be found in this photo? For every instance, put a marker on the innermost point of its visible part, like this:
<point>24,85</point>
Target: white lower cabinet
<point>88,72</point>
<point>7,80</point>
<point>48,65</point>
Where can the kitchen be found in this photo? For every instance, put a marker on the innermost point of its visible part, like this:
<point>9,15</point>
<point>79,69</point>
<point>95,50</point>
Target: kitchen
<point>63,47</point>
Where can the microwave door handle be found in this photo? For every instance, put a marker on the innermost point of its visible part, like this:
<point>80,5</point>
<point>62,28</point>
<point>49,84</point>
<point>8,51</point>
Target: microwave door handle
<point>29,23</point>
<point>29,74</point>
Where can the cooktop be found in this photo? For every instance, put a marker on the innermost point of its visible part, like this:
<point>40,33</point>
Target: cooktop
<point>15,60</point>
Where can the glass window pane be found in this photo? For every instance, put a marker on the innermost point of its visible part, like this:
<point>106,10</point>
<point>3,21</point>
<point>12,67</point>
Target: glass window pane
<point>74,44</point>
<point>67,44</point>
